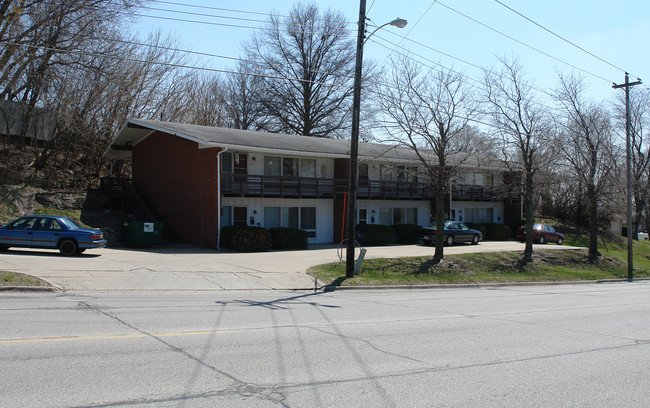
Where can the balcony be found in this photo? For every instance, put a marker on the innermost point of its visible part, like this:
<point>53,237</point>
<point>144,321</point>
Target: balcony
<point>246,185</point>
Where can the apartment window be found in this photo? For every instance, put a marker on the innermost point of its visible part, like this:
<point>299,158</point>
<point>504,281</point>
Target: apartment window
<point>226,216</point>
<point>405,216</point>
<point>272,166</point>
<point>308,168</point>
<point>479,215</point>
<point>386,216</point>
<point>363,171</point>
<point>226,162</point>
<point>290,217</point>
<point>474,179</point>
<point>289,167</point>
<point>272,217</point>
<point>308,220</point>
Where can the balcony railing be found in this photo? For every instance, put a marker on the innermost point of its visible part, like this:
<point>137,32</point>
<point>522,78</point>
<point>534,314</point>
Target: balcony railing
<point>246,185</point>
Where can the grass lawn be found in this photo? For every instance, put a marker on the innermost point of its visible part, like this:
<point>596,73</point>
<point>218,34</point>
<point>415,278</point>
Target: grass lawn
<point>547,266</point>
<point>18,279</point>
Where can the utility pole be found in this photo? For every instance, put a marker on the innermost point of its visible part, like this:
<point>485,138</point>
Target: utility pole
<point>354,145</point>
<point>628,157</point>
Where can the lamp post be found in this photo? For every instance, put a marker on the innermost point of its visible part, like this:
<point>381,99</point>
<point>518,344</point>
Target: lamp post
<point>351,218</point>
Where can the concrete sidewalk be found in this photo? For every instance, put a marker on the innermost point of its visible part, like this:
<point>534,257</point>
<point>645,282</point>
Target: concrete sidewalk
<point>198,269</point>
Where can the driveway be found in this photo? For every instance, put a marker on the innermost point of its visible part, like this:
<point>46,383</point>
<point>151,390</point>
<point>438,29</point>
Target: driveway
<point>198,269</point>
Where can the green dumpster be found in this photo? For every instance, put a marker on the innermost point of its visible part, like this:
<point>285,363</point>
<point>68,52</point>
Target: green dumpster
<point>142,232</point>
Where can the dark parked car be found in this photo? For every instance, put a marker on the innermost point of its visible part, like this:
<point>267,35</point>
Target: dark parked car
<point>46,231</point>
<point>454,232</point>
<point>542,233</point>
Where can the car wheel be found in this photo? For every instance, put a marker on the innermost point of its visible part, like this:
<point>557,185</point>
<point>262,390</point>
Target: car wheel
<point>68,247</point>
<point>3,248</point>
<point>449,240</point>
<point>475,240</point>
<point>560,241</point>
<point>542,240</point>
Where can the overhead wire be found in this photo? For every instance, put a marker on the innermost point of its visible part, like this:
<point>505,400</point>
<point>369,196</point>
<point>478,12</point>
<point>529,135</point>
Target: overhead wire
<point>172,65</point>
<point>559,36</point>
<point>523,43</point>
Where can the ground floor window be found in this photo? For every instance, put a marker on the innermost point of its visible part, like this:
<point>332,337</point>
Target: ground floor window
<point>479,215</point>
<point>396,216</point>
<point>303,218</point>
<point>226,216</point>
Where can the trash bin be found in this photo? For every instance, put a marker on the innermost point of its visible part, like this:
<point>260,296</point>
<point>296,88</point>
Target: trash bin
<point>142,232</point>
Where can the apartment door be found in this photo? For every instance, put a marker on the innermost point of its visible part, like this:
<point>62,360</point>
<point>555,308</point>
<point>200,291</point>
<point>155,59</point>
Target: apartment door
<point>239,216</point>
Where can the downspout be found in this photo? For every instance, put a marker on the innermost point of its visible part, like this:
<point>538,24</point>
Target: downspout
<point>219,196</point>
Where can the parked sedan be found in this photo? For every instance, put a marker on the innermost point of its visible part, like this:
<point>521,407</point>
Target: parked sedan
<point>454,232</point>
<point>46,231</point>
<point>542,233</point>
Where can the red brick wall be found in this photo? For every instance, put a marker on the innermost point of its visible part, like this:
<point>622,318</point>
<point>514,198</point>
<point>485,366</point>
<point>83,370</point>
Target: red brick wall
<point>180,182</point>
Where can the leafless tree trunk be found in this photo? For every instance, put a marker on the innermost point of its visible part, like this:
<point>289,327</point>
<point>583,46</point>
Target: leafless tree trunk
<point>523,129</point>
<point>429,112</point>
<point>586,146</point>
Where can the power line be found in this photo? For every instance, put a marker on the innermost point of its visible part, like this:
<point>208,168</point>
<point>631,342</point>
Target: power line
<point>183,20</point>
<point>203,14</point>
<point>559,36</point>
<point>522,43</point>
<point>213,8</point>
<point>173,65</point>
<point>190,13</point>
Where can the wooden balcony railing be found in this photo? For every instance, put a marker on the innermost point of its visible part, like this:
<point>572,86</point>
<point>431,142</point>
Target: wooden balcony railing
<point>246,185</point>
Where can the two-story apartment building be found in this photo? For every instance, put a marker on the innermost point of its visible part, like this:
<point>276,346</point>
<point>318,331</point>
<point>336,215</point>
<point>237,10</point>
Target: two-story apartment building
<point>200,179</point>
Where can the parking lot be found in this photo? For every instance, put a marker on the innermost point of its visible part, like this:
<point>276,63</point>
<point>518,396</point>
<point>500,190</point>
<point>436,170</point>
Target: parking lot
<point>198,269</point>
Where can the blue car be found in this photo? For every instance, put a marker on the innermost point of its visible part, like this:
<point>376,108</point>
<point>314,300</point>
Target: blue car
<point>454,232</point>
<point>47,231</point>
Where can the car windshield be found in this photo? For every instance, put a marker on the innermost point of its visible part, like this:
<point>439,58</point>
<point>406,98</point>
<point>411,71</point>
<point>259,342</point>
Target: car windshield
<point>447,224</point>
<point>69,223</point>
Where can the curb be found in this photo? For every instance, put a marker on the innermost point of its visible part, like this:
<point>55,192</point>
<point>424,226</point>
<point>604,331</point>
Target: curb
<point>328,288</point>
<point>28,289</point>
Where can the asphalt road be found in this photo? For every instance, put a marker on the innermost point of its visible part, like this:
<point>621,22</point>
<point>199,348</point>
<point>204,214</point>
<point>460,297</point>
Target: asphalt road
<point>524,346</point>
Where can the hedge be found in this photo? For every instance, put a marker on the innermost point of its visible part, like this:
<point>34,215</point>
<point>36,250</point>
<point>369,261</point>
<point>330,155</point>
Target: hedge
<point>492,231</point>
<point>497,232</point>
<point>406,233</point>
<point>288,238</point>
<point>373,234</point>
<point>480,227</point>
<point>246,239</point>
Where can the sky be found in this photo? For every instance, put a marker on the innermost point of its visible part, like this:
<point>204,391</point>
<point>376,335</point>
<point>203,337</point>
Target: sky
<point>457,34</point>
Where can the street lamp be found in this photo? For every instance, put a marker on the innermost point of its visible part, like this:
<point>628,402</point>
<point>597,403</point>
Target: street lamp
<point>354,138</point>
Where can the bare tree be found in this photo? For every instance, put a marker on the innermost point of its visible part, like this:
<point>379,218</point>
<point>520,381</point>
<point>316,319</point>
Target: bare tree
<point>39,35</point>
<point>587,147</point>
<point>640,142</point>
<point>243,100</point>
<point>199,99</point>
<point>111,82</point>
<point>306,61</point>
<point>429,112</point>
<point>522,127</point>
